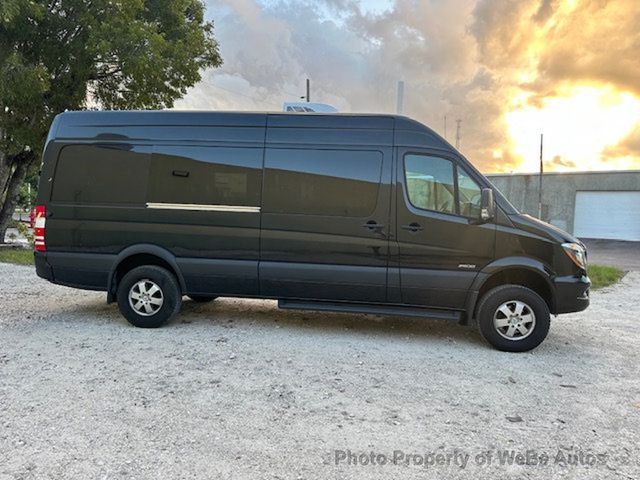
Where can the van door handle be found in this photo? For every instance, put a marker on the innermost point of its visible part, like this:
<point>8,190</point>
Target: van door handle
<point>412,227</point>
<point>373,226</point>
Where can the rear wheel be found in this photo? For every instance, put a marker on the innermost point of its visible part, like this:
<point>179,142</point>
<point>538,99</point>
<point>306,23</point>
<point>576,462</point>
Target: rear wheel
<point>202,298</point>
<point>513,318</point>
<point>149,296</point>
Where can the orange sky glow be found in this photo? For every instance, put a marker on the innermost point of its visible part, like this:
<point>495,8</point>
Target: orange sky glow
<point>589,105</point>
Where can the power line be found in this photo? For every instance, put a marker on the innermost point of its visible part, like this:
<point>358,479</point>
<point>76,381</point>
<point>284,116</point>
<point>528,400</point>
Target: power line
<point>296,95</point>
<point>227,89</point>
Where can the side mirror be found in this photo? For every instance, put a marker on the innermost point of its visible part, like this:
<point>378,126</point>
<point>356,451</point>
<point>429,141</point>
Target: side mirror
<point>487,206</point>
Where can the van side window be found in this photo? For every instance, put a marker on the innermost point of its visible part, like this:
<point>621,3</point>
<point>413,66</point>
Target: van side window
<point>93,175</point>
<point>205,175</point>
<point>429,183</point>
<point>469,195</point>
<point>321,182</point>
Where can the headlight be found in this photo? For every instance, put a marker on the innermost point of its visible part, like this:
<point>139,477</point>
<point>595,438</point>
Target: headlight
<point>576,253</point>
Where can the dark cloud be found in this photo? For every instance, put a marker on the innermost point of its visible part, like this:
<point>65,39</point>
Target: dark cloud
<point>545,11</point>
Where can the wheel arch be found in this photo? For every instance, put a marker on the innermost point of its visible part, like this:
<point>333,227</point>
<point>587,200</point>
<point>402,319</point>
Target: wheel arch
<point>523,271</point>
<point>137,255</point>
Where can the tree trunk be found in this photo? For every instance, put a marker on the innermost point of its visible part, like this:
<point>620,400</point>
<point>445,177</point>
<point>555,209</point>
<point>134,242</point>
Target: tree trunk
<point>9,204</point>
<point>5,173</point>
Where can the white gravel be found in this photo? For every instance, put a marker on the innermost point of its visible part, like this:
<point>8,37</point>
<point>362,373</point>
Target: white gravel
<point>240,389</point>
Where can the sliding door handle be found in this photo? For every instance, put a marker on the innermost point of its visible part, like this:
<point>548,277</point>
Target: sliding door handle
<point>373,226</point>
<point>412,227</point>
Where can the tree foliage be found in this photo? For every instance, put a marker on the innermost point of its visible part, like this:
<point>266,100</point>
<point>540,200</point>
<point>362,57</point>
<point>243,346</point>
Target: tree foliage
<point>58,55</point>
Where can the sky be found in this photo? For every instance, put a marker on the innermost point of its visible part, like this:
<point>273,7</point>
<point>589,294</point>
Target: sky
<point>510,70</point>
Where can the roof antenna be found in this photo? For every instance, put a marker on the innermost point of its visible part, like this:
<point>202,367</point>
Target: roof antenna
<point>400,100</point>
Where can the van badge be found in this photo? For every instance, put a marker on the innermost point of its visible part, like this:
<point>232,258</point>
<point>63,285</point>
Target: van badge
<point>466,265</point>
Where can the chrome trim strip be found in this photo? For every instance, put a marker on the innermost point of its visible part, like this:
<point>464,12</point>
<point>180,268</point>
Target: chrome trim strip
<point>204,207</point>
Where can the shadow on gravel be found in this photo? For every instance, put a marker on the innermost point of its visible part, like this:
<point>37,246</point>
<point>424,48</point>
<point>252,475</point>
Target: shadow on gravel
<point>266,314</point>
<point>244,313</point>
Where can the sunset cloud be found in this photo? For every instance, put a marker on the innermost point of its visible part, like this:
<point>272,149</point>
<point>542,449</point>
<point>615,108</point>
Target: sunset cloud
<point>629,146</point>
<point>508,69</point>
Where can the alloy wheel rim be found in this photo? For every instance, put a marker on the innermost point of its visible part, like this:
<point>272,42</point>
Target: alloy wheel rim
<point>145,297</point>
<point>514,320</point>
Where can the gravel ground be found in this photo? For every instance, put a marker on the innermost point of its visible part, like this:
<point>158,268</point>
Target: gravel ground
<point>239,389</point>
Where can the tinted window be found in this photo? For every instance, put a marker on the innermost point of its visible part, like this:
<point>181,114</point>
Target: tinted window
<point>97,174</point>
<point>469,195</point>
<point>429,182</point>
<point>322,182</point>
<point>206,175</point>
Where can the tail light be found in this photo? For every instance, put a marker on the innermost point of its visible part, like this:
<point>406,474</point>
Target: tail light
<point>38,228</point>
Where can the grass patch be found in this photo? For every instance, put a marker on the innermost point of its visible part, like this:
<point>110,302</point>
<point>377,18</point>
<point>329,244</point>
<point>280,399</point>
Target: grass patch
<point>19,256</point>
<point>603,276</point>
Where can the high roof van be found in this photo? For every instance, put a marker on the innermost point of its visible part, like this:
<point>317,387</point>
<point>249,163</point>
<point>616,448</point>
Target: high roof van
<point>352,213</point>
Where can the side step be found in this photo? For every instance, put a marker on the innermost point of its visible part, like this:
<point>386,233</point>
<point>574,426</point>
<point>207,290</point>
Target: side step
<point>370,309</point>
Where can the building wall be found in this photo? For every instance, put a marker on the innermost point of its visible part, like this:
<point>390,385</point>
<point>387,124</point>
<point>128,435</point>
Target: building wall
<point>559,191</point>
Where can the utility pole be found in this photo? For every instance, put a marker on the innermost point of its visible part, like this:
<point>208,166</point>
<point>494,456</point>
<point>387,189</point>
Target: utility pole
<point>400,99</point>
<point>540,179</point>
<point>308,90</point>
<point>458,134</point>
<point>445,127</point>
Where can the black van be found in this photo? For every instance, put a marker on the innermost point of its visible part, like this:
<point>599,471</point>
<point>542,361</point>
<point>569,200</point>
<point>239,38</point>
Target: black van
<point>353,213</point>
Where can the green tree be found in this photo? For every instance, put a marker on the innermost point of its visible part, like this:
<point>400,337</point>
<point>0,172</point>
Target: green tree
<point>58,55</point>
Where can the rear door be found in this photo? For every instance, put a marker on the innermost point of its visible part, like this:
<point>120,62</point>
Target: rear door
<point>325,216</point>
<point>441,243</point>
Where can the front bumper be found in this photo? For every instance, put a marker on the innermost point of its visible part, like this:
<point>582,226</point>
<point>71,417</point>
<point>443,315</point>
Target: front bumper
<point>572,293</point>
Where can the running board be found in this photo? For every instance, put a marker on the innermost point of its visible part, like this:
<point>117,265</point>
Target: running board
<point>370,309</point>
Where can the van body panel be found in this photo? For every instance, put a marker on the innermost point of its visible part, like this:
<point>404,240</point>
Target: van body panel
<point>329,136</point>
<point>83,270</point>
<point>205,276</point>
<point>167,133</point>
<point>315,281</point>
<point>176,172</point>
<point>333,122</point>
<point>326,210</point>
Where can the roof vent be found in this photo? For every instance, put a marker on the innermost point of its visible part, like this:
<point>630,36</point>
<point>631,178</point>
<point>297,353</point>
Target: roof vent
<point>308,107</point>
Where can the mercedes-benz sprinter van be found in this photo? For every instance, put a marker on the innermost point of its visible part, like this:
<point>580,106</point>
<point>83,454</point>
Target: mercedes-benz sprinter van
<point>353,213</point>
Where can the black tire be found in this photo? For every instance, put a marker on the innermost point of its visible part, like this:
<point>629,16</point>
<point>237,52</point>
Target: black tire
<point>202,298</point>
<point>510,298</point>
<point>163,305</point>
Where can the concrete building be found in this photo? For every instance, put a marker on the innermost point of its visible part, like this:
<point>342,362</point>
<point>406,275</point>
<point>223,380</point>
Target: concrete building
<point>588,204</point>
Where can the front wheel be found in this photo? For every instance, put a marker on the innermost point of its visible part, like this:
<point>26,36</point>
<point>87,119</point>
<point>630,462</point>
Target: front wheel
<point>513,318</point>
<point>149,296</point>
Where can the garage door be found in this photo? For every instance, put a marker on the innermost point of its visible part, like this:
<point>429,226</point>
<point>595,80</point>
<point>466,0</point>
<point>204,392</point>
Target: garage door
<point>611,215</point>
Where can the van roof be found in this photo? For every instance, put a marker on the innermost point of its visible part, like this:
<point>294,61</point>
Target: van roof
<point>407,131</point>
<point>233,118</point>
